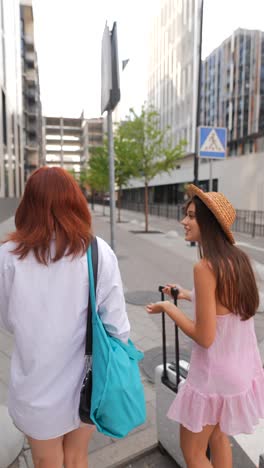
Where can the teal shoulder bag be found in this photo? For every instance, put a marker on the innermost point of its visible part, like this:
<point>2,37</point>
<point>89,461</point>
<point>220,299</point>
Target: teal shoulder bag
<point>117,400</point>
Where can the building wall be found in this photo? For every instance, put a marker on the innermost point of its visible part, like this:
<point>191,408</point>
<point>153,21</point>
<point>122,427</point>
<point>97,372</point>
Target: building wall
<point>173,67</point>
<point>11,143</point>
<point>232,91</point>
<point>32,124</point>
<point>63,142</point>
<point>95,132</point>
<point>232,96</point>
<point>239,178</point>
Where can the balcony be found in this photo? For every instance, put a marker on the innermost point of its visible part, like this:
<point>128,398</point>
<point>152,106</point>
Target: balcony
<point>32,128</point>
<point>31,109</point>
<point>31,144</point>
<point>29,42</point>
<point>32,94</point>
<point>30,56</point>
<point>32,160</point>
<point>31,75</point>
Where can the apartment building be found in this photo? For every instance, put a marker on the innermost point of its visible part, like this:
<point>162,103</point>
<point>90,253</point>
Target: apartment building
<point>32,122</point>
<point>67,141</point>
<point>232,90</point>
<point>20,135</point>
<point>11,141</point>
<point>173,67</point>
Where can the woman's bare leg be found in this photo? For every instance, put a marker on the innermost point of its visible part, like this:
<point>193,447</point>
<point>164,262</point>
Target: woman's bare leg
<point>47,453</point>
<point>194,446</point>
<point>75,446</point>
<point>221,452</point>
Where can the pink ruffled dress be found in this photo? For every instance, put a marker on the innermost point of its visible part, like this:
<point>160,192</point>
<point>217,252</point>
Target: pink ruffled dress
<point>225,383</point>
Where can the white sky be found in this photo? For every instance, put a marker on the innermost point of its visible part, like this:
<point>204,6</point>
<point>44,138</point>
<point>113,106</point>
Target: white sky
<point>68,40</point>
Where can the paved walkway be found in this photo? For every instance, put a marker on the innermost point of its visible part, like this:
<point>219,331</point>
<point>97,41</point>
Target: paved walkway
<point>146,260</point>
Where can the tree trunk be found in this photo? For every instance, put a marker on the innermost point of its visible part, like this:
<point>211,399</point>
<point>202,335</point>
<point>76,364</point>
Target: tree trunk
<point>119,205</point>
<point>146,206</point>
<point>103,207</point>
<point>92,200</point>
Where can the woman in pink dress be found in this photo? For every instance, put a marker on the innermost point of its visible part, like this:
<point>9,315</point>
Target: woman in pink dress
<point>224,391</point>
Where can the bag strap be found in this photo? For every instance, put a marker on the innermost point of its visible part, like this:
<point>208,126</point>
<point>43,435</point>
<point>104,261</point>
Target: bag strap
<point>92,261</point>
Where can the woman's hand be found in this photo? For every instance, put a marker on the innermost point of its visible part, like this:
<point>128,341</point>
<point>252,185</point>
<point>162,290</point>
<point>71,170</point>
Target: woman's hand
<point>182,294</point>
<point>155,308</point>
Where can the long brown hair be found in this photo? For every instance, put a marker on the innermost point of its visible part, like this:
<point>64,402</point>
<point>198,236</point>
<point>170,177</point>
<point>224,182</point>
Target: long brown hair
<point>236,287</point>
<point>52,206</point>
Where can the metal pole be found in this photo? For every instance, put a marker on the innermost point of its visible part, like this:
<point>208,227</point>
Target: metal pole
<point>111,177</point>
<point>196,159</point>
<point>210,175</point>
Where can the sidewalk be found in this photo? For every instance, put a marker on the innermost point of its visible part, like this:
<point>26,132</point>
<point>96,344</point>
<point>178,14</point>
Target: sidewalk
<point>146,260</point>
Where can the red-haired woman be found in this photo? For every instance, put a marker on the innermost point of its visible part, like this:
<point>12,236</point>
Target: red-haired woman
<point>224,391</point>
<point>43,303</point>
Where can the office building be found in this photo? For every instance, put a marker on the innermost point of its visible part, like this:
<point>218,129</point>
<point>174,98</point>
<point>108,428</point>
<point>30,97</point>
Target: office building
<point>232,91</point>
<point>173,67</point>
<point>232,96</point>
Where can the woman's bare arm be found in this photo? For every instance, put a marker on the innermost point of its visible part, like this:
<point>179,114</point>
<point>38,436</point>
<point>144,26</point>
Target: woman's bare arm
<point>184,294</point>
<point>203,329</point>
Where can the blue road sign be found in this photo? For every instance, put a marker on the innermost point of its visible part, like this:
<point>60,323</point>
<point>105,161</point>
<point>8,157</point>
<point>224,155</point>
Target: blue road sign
<point>212,142</point>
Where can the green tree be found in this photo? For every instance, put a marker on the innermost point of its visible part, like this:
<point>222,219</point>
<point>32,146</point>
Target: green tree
<point>98,165</point>
<point>125,163</point>
<point>81,178</point>
<point>152,150</point>
<point>97,173</point>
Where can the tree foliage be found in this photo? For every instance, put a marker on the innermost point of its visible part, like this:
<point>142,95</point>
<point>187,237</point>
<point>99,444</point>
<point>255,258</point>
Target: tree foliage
<point>151,147</point>
<point>97,174</point>
<point>125,162</point>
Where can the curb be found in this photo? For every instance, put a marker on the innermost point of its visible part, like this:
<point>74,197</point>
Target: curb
<point>124,451</point>
<point>136,458</point>
<point>12,440</point>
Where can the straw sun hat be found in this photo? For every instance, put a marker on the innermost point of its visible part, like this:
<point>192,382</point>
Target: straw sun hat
<point>220,207</point>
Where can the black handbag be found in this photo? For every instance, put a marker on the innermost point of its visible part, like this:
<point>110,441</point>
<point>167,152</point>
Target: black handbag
<point>86,390</point>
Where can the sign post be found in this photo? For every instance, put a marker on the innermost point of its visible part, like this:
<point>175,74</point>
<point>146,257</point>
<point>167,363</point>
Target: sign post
<point>110,96</point>
<point>212,145</point>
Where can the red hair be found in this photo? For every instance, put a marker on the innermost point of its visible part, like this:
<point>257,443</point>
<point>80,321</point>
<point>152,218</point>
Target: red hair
<point>52,206</point>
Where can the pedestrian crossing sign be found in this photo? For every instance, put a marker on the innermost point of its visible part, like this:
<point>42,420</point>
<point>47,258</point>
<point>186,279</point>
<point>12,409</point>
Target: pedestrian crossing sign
<point>212,142</point>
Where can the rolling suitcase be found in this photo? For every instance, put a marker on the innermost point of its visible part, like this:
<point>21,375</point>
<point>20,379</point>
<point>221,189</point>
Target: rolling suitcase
<point>168,378</point>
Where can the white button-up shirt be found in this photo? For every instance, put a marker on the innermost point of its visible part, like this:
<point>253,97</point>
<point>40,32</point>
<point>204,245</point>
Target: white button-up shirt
<point>45,308</point>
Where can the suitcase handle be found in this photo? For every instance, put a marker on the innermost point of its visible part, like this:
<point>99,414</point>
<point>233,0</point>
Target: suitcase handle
<point>166,381</point>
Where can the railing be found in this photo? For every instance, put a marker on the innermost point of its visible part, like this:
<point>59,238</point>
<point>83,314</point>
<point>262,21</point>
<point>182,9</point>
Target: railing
<point>157,209</point>
<point>247,221</point>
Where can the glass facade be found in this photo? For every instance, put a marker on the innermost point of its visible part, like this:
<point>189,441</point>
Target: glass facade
<point>11,147</point>
<point>233,87</point>
<point>173,68</point>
